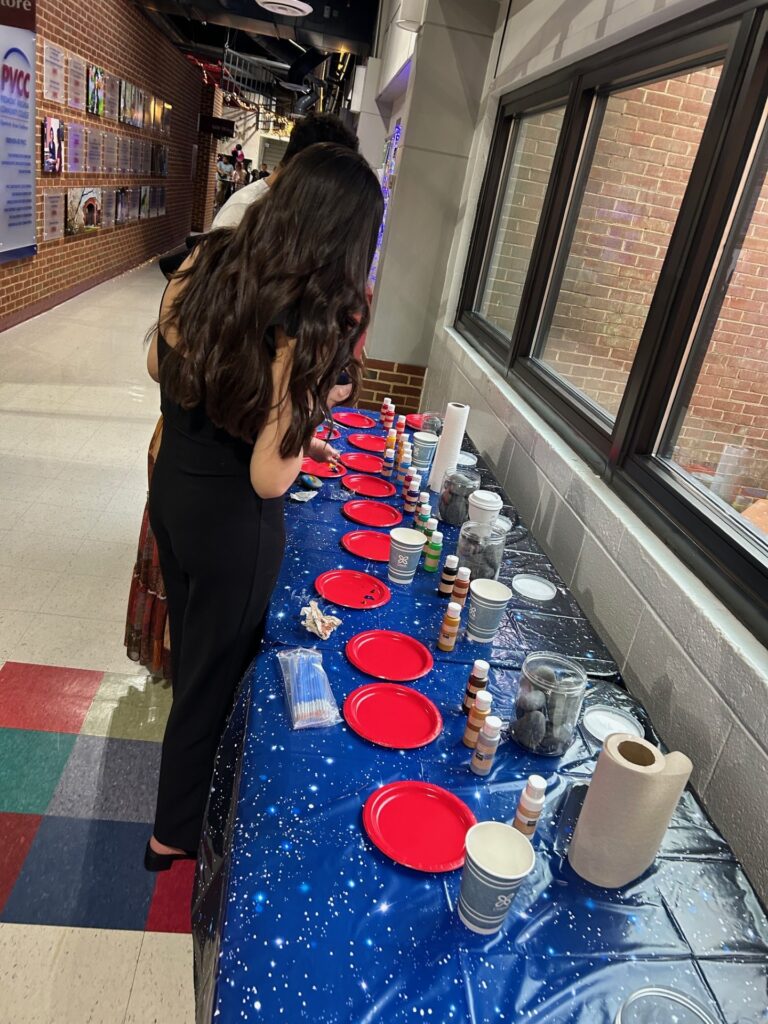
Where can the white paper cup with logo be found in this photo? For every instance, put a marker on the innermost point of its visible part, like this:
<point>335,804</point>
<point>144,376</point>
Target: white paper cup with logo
<point>424,445</point>
<point>488,600</point>
<point>405,550</point>
<point>498,858</point>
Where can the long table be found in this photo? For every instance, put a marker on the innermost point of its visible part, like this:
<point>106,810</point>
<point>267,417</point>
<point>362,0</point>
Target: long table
<point>298,917</point>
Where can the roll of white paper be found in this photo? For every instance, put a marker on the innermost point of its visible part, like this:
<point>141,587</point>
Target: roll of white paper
<point>449,445</point>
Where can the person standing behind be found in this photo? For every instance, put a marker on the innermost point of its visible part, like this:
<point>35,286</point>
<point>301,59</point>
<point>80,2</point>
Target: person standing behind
<point>252,335</point>
<point>309,130</point>
<point>263,172</point>
<point>224,171</point>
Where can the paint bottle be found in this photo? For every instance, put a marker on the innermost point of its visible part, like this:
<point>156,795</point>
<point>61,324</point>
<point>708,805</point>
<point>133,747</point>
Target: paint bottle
<point>400,426</point>
<point>477,715</point>
<point>425,514</point>
<point>410,473</point>
<point>449,629</point>
<point>412,497</point>
<point>461,586</point>
<point>530,805</point>
<point>402,471</point>
<point>433,551</point>
<point>384,406</point>
<point>391,438</point>
<point>451,567</point>
<point>478,679</point>
<point>487,745</point>
<point>389,416</point>
<point>389,462</point>
<point>429,529</point>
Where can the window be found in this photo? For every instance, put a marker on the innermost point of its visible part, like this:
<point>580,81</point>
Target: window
<point>646,139</point>
<point>532,146</point>
<point>618,275</point>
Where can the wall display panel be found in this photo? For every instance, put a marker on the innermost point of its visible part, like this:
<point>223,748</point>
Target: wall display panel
<point>165,118</point>
<point>54,72</point>
<point>109,157</point>
<point>54,210</point>
<point>95,95</point>
<point>93,157</point>
<point>75,148</point>
<point>144,213</point>
<point>76,85</point>
<point>83,211</point>
<point>134,203</point>
<point>161,193</point>
<point>108,199</point>
<point>121,206</point>
<point>111,96</point>
<point>52,142</point>
<point>123,154</point>
<point>147,102</point>
<point>159,160</point>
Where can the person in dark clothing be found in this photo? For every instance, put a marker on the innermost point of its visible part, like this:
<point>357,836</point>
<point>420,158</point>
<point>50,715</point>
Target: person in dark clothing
<point>253,334</point>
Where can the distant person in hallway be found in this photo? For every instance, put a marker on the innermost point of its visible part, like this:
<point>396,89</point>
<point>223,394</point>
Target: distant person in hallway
<point>253,334</point>
<point>306,132</point>
<point>263,172</point>
<point>224,172</point>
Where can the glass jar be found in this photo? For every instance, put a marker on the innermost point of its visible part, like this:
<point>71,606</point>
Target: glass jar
<point>548,704</point>
<point>481,549</point>
<point>456,488</point>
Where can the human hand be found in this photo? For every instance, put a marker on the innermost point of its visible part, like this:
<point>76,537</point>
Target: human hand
<point>321,451</point>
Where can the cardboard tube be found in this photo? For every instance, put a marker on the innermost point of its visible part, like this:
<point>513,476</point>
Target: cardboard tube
<point>449,445</point>
<point>627,809</point>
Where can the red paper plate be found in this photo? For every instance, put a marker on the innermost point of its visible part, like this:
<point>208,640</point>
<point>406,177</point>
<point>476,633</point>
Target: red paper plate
<point>393,716</point>
<point>354,419</point>
<point>367,544</point>
<point>352,589</point>
<point>384,654</point>
<point>414,420</point>
<point>368,442</point>
<point>324,469</point>
<point>371,513</point>
<point>324,435</point>
<point>362,461</point>
<point>369,486</point>
<point>419,825</point>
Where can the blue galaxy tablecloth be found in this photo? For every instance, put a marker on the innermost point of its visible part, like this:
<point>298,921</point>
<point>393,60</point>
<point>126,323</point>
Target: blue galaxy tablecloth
<point>298,917</point>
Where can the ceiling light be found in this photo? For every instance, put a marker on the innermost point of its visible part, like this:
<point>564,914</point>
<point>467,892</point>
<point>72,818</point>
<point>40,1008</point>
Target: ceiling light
<point>288,8</point>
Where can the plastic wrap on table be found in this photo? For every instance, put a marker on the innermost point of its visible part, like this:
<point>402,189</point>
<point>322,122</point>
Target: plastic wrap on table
<point>304,919</point>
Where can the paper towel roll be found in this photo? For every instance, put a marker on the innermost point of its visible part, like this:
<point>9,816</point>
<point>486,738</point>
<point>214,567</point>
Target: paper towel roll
<point>626,811</point>
<point>449,445</point>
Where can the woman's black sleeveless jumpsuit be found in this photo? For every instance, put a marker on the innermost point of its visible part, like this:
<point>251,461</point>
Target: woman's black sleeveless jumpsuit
<point>220,551</point>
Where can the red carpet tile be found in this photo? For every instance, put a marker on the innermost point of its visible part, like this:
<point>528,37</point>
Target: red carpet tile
<point>45,698</point>
<point>17,831</point>
<point>170,910</point>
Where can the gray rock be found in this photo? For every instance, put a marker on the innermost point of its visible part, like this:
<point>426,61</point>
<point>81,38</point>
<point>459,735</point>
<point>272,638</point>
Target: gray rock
<point>529,730</point>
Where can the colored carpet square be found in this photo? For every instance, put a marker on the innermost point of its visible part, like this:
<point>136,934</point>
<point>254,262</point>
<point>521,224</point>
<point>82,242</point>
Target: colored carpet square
<point>31,764</point>
<point>43,697</point>
<point>112,779</point>
<point>171,907</point>
<point>129,708</point>
<point>87,874</point>
<point>17,832</point>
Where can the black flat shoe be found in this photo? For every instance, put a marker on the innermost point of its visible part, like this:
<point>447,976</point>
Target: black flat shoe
<point>154,861</point>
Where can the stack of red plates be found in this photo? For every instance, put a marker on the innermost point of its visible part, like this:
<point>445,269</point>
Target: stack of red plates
<point>368,443</point>
<point>363,461</point>
<point>371,513</point>
<point>384,654</point>
<point>351,589</point>
<point>369,486</point>
<point>367,544</point>
<point>358,420</point>
<point>392,715</point>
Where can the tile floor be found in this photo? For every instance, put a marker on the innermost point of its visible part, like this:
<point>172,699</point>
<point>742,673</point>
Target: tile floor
<point>86,935</point>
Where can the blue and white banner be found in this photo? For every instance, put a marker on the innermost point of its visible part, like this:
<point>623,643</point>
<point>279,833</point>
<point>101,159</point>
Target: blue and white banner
<point>18,133</point>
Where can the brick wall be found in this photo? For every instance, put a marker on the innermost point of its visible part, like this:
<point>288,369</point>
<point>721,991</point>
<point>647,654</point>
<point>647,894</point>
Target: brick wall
<point>648,142</point>
<point>401,382</point>
<point>211,104</point>
<point>115,35</point>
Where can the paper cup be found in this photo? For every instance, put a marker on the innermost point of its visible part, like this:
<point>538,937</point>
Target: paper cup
<point>424,445</point>
<point>405,551</point>
<point>498,858</point>
<point>488,600</point>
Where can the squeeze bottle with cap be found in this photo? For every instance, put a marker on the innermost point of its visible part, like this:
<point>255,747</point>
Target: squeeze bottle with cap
<point>480,711</point>
<point>530,805</point>
<point>487,744</point>
<point>476,682</point>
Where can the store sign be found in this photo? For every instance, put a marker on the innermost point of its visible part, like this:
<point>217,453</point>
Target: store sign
<point>18,132</point>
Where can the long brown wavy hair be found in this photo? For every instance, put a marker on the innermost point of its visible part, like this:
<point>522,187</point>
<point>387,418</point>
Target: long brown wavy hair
<point>299,259</point>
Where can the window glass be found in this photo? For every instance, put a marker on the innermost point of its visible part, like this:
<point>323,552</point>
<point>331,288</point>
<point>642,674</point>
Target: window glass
<point>521,202</point>
<point>648,139</point>
<point>718,432</point>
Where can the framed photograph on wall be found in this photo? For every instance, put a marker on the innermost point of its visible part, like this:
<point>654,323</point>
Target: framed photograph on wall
<point>54,207</point>
<point>121,205</point>
<point>111,96</point>
<point>75,148</point>
<point>83,211</point>
<point>54,72</point>
<point>77,83</point>
<point>95,101</point>
<point>126,101</point>
<point>108,197</point>
<point>93,157</point>
<point>52,138</point>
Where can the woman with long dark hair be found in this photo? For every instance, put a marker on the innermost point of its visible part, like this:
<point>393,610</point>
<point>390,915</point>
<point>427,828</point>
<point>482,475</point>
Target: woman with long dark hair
<point>253,333</point>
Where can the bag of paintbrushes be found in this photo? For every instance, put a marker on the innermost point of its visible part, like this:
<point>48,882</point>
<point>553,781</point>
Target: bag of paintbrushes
<point>308,693</point>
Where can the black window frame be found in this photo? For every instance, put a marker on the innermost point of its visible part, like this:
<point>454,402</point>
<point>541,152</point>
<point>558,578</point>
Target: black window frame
<point>621,449</point>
